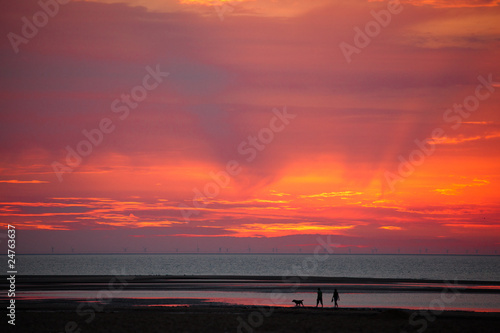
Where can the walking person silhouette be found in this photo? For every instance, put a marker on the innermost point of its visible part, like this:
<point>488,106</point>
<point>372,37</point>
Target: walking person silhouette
<point>335,298</point>
<point>320,298</point>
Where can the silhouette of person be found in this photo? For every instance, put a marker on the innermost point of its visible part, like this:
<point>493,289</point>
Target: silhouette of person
<point>336,297</point>
<point>320,298</point>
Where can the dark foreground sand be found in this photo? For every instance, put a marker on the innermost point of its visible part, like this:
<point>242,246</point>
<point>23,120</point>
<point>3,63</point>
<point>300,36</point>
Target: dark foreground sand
<point>251,319</point>
<point>124,315</point>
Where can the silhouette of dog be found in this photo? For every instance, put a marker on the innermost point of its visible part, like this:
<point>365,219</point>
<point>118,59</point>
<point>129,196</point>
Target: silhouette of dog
<point>298,302</point>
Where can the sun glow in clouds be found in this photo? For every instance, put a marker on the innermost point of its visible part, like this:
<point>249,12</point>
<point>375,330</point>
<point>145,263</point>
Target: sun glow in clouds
<point>332,194</point>
<point>390,227</point>
<point>322,175</point>
<point>286,229</point>
<point>15,181</point>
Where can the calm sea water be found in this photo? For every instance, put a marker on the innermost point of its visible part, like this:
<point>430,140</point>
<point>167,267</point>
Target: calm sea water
<point>375,266</point>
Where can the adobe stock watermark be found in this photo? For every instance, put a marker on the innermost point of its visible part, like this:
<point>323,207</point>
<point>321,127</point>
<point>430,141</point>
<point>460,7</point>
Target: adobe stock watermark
<point>436,307</point>
<point>122,107</point>
<point>95,304</point>
<point>222,8</point>
<point>31,27</point>
<point>249,149</point>
<point>295,276</point>
<point>363,37</point>
<point>453,116</point>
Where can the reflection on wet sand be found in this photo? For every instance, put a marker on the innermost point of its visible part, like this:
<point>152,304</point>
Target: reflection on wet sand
<point>249,291</point>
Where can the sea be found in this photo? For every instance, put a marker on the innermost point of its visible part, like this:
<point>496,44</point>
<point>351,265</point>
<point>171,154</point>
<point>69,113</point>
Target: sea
<point>435,267</point>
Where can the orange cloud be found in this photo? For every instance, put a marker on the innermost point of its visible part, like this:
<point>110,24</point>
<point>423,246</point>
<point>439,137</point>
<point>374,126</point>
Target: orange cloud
<point>461,138</point>
<point>473,226</point>
<point>456,188</point>
<point>341,194</point>
<point>285,229</point>
<point>390,227</point>
<point>15,181</point>
<point>449,3</point>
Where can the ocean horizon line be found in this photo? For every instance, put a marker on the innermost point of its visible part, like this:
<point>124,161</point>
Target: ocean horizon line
<point>264,253</point>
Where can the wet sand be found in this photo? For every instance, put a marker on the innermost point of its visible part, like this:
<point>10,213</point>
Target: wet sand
<point>244,283</point>
<point>110,313</point>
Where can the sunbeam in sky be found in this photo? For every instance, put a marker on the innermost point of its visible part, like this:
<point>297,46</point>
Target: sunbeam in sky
<point>251,123</point>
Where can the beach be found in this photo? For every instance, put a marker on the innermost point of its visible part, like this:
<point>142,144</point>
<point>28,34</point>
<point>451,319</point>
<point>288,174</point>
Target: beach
<point>257,304</point>
<point>247,319</point>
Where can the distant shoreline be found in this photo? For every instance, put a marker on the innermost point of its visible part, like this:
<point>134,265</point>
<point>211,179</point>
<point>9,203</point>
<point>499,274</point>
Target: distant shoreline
<point>247,283</point>
<point>261,278</point>
<point>270,278</point>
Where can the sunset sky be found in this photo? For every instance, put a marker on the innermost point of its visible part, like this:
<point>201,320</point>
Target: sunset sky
<point>251,123</point>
